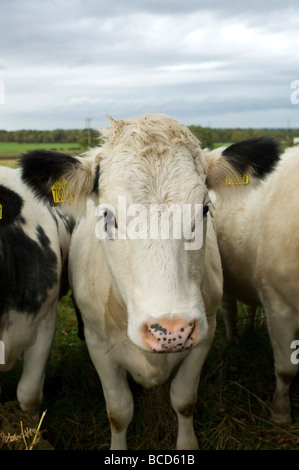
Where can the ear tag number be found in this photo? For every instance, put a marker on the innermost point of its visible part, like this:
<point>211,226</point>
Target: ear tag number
<point>243,180</point>
<point>58,191</point>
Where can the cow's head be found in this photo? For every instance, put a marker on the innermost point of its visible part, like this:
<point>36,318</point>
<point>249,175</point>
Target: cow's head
<point>150,186</point>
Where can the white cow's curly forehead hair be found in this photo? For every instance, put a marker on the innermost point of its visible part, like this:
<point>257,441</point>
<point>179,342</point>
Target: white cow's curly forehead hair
<point>154,134</point>
<point>150,132</point>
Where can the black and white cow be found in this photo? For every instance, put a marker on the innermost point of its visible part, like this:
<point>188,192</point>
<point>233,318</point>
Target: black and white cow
<point>141,293</point>
<point>34,242</point>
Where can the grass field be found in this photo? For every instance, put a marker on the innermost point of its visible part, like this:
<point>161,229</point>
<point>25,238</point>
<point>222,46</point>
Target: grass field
<point>236,385</point>
<point>232,412</point>
<point>14,150</point>
<point>10,152</point>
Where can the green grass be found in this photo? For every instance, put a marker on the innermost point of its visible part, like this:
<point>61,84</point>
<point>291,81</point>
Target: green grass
<point>10,152</point>
<point>221,144</point>
<point>13,149</point>
<point>232,412</point>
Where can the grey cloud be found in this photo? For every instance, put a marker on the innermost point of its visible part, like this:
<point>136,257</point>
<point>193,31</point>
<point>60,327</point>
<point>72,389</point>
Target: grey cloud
<point>74,32</point>
<point>63,60</point>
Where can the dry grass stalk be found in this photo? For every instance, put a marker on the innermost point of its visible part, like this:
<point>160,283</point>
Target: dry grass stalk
<point>25,435</point>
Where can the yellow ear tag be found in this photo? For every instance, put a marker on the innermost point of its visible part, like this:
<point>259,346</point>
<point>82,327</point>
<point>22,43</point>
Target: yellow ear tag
<point>0,211</point>
<point>58,191</point>
<point>243,180</point>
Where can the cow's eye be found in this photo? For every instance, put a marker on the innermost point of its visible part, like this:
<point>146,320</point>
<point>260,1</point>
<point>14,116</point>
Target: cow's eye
<point>110,223</point>
<point>206,208</point>
<point>109,217</point>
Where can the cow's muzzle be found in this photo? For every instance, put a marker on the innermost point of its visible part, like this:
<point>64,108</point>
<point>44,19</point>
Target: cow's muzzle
<point>170,335</point>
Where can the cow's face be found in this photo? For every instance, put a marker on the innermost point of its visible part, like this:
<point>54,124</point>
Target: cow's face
<point>152,217</point>
<point>149,182</point>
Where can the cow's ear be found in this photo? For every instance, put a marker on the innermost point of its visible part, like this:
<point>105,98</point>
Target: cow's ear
<point>10,206</point>
<point>243,163</point>
<point>59,178</point>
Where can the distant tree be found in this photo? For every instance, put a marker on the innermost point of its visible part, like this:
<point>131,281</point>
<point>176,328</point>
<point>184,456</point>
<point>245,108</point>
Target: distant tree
<point>239,134</point>
<point>208,137</point>
<point>204,135</point>
<point>83,141</point>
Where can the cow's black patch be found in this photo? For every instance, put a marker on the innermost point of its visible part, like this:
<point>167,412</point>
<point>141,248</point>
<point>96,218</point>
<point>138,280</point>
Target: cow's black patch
<point>53,214</point>
<point>81,334</point>
<point>40,169</point>
<point>11,204</point>
<point>28,268</point>
<point>259,154</point>
<point>68,221</point>
<point>95,188</point>
<point>64,278</point>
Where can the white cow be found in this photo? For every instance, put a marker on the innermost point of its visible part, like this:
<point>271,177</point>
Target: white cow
<point>258,240</point>
<point>141,294</point>
<point>34,242</point>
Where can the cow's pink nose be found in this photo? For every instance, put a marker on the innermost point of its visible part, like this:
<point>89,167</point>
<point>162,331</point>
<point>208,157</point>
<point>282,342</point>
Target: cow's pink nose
<point>170,335</point>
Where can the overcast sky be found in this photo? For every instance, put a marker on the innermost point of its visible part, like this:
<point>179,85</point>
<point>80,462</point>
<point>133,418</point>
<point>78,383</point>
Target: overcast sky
<point>211,63</point>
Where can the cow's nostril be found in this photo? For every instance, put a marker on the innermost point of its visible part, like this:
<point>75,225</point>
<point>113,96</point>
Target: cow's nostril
<point>170,335</point>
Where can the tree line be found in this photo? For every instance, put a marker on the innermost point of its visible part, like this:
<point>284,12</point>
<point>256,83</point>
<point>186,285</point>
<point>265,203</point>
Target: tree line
<point>90,137</point>
<point>209,137</point>
<point>81,137</point>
